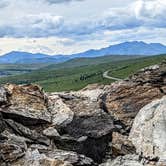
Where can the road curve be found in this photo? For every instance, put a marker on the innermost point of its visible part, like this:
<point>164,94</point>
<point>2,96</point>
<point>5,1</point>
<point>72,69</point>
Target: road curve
<point>105,75</point>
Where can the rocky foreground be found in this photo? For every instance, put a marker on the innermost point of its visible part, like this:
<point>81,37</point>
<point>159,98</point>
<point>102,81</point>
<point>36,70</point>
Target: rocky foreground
<point>122,124</point>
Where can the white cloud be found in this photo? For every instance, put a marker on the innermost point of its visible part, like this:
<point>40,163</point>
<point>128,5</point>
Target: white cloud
<point>3,3</point>
<point>151,12</point>
<point>51,46</point>
<point>54,45</point>
<point>74,27</point>
<point>143,33</point>
<point>32,26</point>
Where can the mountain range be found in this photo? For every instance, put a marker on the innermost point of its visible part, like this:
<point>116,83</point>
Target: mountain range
<point>126,48</point>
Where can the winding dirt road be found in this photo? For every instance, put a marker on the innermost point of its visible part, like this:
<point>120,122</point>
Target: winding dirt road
<point>105,75</point>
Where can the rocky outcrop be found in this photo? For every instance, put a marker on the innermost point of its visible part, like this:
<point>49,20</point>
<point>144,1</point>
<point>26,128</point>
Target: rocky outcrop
<point>125,98</point>
<point>87,127</point>
<point>89,130</point>
<point>29,124</point>
<point>149,130</point>
<point>43,122</point>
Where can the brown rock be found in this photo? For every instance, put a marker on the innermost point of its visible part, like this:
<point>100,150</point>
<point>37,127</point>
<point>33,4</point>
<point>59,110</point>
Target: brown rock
<point>124,99</point>
<point>10,152</point>
<point>12,147</point>
<point>27,95</point>
<point>34,158</point>
<point>28,104</point>
<point>121,145</point>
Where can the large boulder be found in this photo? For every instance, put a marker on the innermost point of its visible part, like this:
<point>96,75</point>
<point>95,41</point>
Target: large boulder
<point>28,104</point>
<point>124,99</point>
<point>94,126</point>
<point>149,130</point>
<point>81,103</point>
<point>88,130</point>
<point>93,134</point>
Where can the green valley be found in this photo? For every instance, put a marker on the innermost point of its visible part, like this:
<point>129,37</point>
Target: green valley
<point>78,73</point>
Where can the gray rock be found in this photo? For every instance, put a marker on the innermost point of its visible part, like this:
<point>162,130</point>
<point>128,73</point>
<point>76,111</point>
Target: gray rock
<point>51,132</point>
<point>35,158</point>
<point>23,131</point>
<point>149,130</point>
<point>89,128</point>
<point>41,148</point>
<point>60,112</point>
<point>92,135</point>
<point>71,157</point>
<point>12,147</point>
<point>3,96</point>
<point>94,126</point>
<point>56,157</point>
<point>128,160</point>
<point>2,124</point>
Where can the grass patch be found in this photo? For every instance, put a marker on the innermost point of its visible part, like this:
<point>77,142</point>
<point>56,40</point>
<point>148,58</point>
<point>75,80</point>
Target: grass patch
<point>76,77</point>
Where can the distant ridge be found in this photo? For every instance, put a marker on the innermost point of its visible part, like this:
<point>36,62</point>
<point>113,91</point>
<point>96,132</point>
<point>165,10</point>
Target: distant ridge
<point>126,48</point>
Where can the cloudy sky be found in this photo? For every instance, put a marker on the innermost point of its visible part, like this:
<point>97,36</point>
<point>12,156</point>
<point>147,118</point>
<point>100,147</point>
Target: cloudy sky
<point>70,26</point>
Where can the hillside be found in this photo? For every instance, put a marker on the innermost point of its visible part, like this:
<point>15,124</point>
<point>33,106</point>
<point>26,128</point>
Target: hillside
<point>75,78</point>
<point>78,62</point>
<point>16,69</point>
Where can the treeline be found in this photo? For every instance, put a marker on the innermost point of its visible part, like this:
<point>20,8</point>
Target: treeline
<point>84,77</point>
